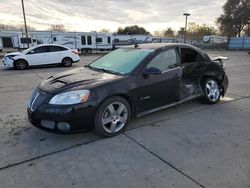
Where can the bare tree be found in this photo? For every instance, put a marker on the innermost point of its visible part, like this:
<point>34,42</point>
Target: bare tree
<point>57,27</point>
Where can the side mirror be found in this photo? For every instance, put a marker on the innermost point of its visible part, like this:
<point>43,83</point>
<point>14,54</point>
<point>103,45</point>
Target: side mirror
<point>31,52</point>
<point>151,71</point>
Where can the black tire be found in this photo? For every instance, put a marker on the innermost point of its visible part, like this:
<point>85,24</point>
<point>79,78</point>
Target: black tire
<point>21,64</point>
<point>213,95</point>
<point>104,129</point>
<point>67,62</point>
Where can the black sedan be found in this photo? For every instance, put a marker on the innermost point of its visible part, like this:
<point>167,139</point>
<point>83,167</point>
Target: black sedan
<point>126,83</point>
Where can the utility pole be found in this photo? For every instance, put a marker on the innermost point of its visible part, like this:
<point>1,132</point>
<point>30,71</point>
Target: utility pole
<point>25,25</point>
<point>185,34</point>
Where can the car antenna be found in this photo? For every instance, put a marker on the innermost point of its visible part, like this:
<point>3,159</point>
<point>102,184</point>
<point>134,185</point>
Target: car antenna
<point>136,45</point>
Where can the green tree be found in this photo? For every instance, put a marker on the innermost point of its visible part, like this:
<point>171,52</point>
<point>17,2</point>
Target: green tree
<point>196,31</point>
<point>236,15</point>
<point>135,29</point>
<point>169,32</point>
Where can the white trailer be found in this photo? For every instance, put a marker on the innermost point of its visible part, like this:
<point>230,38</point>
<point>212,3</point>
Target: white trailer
<point>1,44</point>
<point>83,41</point>
<point>213,39</point>
<point>119,40</point>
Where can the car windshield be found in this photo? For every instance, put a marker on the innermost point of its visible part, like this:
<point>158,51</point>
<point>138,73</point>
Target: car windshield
<point>27,50</point>
<point>121,61</point>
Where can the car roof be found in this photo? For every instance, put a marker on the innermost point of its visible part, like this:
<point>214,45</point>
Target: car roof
<point>161,45</point>
<point>50,45</point>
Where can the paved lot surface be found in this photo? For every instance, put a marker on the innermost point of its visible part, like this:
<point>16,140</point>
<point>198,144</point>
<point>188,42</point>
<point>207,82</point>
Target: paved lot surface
<point>190,145</point>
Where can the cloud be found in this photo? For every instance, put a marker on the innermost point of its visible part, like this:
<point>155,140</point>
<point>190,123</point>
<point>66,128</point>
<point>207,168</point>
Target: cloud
<point>96,14</point>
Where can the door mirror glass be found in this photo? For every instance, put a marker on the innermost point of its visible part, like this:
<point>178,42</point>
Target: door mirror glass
<point>151,71</point>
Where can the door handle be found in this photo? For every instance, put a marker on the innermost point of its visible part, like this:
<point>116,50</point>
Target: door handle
<point>176,76</point>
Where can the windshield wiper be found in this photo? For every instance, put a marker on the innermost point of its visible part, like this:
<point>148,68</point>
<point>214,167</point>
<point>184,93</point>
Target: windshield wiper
<point>103,70</point>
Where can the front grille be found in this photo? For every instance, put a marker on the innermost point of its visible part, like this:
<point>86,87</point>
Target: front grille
<point>37,98</point>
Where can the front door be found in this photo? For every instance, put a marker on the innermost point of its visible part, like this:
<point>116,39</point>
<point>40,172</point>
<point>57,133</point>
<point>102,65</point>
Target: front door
<point>160,89</point>
<point>39,56</point>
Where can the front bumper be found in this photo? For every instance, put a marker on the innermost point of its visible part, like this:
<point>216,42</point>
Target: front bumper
<point>79,117</point>
<point>7,62</point>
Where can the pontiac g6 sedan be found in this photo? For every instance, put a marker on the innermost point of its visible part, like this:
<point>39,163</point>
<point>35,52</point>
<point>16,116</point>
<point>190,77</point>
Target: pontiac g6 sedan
<point>127,83</point>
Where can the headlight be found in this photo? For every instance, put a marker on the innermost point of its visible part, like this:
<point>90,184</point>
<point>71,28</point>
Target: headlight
<point>71,97</point>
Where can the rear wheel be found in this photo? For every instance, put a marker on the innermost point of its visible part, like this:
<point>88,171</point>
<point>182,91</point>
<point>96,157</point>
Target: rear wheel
<point>212,91</point>
<point>21,64</point>
<point>112,117</point>
<point>67,62</point>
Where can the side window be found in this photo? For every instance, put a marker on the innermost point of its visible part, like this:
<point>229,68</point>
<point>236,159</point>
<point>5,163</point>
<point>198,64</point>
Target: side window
<point>89,38</point>
<point>57,49</point>
<point>190,56</point>
<point>109,40</point>
<point>83,39</point>
<point>42,49</point>
<point>165,60</point>
<point>99,40</point>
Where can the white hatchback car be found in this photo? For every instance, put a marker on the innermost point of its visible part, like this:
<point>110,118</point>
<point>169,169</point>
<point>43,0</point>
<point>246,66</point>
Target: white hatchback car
<point>44,54</point>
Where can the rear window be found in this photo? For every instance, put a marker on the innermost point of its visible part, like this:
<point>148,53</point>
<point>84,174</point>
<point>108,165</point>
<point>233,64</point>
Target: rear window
<point>57,48</point>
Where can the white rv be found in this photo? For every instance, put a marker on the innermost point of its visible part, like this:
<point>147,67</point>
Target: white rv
<point>83,41</point>
<point>1,45</point>
<point>213,39</point>
<point>119,40</point>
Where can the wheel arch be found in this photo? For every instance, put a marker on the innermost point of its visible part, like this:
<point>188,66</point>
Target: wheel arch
<point>14,62</point>
<point>65,58</point>
<point>205,77</point>
<point>127,98</point>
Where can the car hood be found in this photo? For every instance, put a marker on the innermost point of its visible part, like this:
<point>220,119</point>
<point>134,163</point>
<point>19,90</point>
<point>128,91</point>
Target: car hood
<point>13,54</point>
<point>80,78</point>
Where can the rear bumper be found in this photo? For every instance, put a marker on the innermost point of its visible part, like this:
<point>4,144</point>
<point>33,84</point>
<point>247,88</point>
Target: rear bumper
<point>224,84</point>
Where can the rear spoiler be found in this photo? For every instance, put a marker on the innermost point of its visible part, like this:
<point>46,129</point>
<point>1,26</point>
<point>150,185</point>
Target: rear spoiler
<point>220,58</point>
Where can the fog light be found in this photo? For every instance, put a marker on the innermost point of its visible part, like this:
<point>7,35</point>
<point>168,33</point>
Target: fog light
<point>48,124</point>
<point>63,126</point>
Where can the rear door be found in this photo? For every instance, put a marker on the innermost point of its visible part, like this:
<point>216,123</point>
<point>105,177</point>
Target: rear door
<point>39,56</point>
<point>192,63</point>
<point>57,53</point>
<point>160,89</point>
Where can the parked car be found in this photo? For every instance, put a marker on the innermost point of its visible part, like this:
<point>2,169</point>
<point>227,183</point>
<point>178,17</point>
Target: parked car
<point>45,54</point>
<point>126,83</point>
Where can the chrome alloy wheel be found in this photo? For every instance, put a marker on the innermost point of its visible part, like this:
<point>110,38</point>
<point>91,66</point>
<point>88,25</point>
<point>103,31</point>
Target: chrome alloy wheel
<point>213,90</point>
<point>114,117</point>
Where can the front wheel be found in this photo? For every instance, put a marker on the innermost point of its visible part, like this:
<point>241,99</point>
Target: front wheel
<point>21,64</point>
<point>112,117</point>
<point>212,91</point>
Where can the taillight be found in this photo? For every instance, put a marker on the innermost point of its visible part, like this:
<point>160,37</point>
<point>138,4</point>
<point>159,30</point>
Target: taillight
<point>75,52</point>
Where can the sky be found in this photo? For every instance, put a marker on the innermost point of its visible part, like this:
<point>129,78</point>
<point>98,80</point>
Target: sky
<point>93,15</point>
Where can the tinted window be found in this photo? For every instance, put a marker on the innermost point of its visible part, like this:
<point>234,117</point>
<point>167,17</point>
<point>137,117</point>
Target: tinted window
<point>57,48</point>
<point>98,39</point>
<point>109,40</point>
<point>43,49</point>
<point>190,55</point>
<point>89,40</point>
<point>165,60</point>
<point>25,40</point>
<point>122,60</point>
<point>83,40</point>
